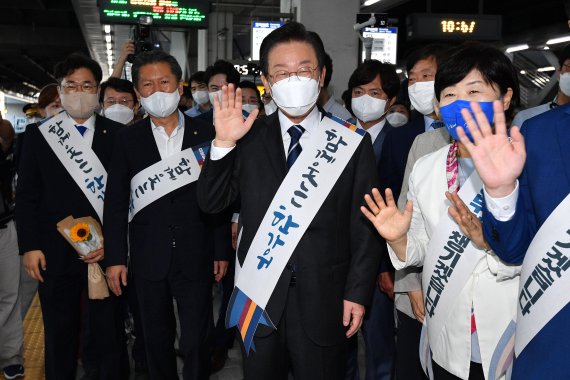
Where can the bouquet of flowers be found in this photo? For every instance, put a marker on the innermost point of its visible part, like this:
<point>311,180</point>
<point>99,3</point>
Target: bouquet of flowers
<point>85,235</point>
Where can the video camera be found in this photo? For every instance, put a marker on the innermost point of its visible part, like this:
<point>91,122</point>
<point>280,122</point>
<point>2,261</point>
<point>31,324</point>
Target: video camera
<point>142,37</point>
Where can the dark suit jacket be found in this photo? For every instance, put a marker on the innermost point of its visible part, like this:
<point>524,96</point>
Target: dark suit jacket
<point>397,144</point>
<point>543,184</point>
<point>47,194</point>
<point>336,259</point>
<point>174,217</point>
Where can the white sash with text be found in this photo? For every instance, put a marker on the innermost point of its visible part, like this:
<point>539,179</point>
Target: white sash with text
<point>77,158</point>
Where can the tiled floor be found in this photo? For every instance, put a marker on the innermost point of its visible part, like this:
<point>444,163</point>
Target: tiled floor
<point>34,351</point>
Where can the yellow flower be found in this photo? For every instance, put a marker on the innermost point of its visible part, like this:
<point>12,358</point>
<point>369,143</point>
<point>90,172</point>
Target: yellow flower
<point>80,232</point>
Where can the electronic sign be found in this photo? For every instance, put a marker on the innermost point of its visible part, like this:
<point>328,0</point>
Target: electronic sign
<point>384,45</point>
<point>174,13</point>
<point>259,30</point>
<point>454,26</point>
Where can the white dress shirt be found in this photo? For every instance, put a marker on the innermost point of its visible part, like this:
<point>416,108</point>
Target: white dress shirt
<point>169,145</point>
<point>374,130</point>
<point>503,209</point>
<point>309,124</point>
<point>428,122</point>
<point>90,131</point>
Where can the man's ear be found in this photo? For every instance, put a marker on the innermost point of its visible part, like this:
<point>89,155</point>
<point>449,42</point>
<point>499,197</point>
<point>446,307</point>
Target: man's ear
<point>181,87</point>
<point>265,84</point>
<point>322,77</point>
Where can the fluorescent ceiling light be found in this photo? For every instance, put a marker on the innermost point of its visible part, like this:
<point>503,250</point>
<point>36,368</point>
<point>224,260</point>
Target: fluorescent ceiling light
<point>546,48</point>
<point>109,46</point>
<point>523,72</point>
<point>108,38</point>
<point>558,40</point>
<point>107,29</point>
<point>512,49</point>
<point>547,68</point>
<point>369,2</point>
<point>398,71</point>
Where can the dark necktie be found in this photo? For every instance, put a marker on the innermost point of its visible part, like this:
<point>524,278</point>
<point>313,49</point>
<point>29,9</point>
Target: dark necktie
<point>296,131</point>
<point>81,129</point>
<point>437,124</point>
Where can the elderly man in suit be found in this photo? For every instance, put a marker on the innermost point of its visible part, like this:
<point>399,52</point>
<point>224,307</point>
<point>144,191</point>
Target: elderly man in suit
<point>49,191</point>
<point>319,297</point>
<point>175,249</point>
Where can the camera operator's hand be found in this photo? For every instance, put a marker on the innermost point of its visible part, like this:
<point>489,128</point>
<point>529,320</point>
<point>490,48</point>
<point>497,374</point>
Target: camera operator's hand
<point>128,49</point>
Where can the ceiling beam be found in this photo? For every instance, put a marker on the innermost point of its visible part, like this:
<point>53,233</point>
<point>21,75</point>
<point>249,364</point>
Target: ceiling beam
<point>26,37</point>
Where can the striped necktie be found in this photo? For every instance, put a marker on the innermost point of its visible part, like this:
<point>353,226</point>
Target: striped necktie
<point>81,129</point>
<point>296,131</point>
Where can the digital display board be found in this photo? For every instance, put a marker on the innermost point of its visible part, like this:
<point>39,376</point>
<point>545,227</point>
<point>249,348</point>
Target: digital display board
<point>454,26</point>
<point>174,13</point>
<point>259,30</point>
<point>384,45</point>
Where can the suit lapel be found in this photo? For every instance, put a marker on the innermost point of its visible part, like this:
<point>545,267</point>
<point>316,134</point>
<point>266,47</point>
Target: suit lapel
<point>274,145</point>
<point>563,131</point>
<point>100,143</point>
<point>191,134</point>
<point>377,145</point>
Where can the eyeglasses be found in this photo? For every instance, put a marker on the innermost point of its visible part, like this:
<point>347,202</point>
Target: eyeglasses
<point>124,102</point>
<point>74,87</point>
<point>302,72</point>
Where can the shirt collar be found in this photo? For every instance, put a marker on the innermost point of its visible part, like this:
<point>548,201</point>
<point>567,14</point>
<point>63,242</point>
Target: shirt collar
<point>427,122</point>
<point>374,130</point>
<point>310,122</point>
<point>89,123</point>
<point>178,128</point>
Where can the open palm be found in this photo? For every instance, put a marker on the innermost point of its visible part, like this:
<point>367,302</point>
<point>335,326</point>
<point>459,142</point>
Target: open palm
<point>389,221</point>
<point>499,160</point>
<point>228,117</point>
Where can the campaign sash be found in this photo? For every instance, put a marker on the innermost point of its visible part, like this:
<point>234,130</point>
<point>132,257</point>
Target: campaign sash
<point>165,176</point>
<point>297,201</point>
<point>77,158</point>
<point>449,262</point>
<point>545,278</point>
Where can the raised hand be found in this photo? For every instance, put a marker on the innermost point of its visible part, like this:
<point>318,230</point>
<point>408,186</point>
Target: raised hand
<point>499,160</point>
<point>469,224</point>
<point>228,118</point>
<point>386,218</point>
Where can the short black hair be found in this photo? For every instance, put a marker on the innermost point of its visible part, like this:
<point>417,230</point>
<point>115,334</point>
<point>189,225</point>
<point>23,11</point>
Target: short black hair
<point>154,56</point>
<point>367,71</point>
<point>436,51</point>
<point>329,70</point>
<point>74,62</point>
<point>292,31</point>
<point>222,67</point>
<point>564,55</point>
<point>120,85</point>
<point>198,76</point>
<point>251,85</point>
<point>494,66</point>
<point>567,8</point>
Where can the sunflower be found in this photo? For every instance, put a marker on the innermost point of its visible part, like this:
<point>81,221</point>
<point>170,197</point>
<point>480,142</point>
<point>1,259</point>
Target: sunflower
<point>80,232</point>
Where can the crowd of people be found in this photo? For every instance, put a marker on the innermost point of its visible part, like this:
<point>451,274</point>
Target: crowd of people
<point>410,211</point>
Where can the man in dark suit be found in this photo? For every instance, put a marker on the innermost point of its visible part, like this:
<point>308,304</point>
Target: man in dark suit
<point>422,67</point>
<point>172,242</point>
<point>47,193</point>
<point>515,209</point>
<point>373,87</point>
<point>319,298</point>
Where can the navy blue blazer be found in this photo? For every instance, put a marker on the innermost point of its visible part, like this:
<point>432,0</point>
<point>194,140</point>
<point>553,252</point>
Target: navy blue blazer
<point>543,184</point>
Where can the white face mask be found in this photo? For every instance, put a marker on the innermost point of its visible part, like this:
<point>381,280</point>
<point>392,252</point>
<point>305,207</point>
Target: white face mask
<point>119,113</point>
<point>396,119</point>
<point>366,108</point>
<point>249,107</point>
<point>201,97</point>
<point>295,96</point>
<point>161,104</point>
<point>270,107</point>
<point>211,96</point>
<point>564,83</point>
<point>80,105</point>
<point>422,96</point>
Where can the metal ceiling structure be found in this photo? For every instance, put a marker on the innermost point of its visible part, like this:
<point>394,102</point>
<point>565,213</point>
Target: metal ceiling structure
<point>35,34</point>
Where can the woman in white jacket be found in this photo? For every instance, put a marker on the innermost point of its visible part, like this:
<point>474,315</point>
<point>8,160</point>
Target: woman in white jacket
<point>470,294</point>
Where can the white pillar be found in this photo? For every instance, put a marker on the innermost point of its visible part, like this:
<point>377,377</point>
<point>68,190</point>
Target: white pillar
<point>335,29</point>
<point>178,49</point>
<point>202,49</point>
